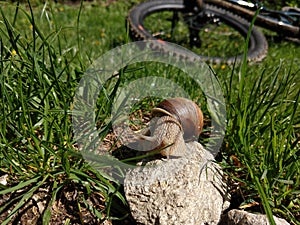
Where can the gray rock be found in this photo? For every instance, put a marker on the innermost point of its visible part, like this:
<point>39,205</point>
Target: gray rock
<point>186,190</point>
<point>240,217</point>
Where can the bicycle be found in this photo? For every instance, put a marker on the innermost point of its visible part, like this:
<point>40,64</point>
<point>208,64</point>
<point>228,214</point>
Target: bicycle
<point>200,26</point>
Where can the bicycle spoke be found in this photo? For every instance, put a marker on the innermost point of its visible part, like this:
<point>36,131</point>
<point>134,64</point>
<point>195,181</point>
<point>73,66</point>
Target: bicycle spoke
<point>175,20</point>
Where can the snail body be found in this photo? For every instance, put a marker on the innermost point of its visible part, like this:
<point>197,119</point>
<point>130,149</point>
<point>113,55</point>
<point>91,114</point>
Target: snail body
<point>175,121</point>
<point>168,137</point>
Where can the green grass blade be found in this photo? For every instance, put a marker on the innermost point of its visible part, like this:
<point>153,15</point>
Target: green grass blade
<point>265,201</point>
<point>20,186</point>
<point>23,200</point>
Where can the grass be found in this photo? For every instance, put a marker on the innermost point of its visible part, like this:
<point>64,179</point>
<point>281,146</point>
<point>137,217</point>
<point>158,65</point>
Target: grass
<point>40,71</point>
<point>44,51</point>
<point>262,133</point>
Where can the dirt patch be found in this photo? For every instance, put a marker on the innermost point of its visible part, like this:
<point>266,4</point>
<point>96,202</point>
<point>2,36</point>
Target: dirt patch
<point>70,206</point>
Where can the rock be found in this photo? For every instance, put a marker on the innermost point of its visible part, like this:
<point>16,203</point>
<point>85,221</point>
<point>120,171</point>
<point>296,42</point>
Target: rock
<point>239,217</point>
<point>186,190</point>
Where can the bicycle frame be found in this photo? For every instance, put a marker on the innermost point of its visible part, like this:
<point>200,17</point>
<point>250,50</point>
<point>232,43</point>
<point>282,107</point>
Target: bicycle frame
<point>286,22</point>
<point>292,18</point>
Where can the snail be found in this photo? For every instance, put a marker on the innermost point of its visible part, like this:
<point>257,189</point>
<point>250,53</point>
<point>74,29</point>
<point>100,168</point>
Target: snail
<point>186,112</point>
<point>175,121</point>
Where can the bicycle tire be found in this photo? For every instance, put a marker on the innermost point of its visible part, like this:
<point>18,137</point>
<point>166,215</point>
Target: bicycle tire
<point>258,45</point>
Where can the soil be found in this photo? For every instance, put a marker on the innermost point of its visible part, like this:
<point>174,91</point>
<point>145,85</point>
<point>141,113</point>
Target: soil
<point>68,207</point>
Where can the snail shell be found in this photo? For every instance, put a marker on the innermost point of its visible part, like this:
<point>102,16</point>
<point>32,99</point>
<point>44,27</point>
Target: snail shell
<point>186,112</point>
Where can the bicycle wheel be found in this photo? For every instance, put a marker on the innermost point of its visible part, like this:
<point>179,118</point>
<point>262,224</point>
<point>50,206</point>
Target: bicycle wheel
<point>215,34</point>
